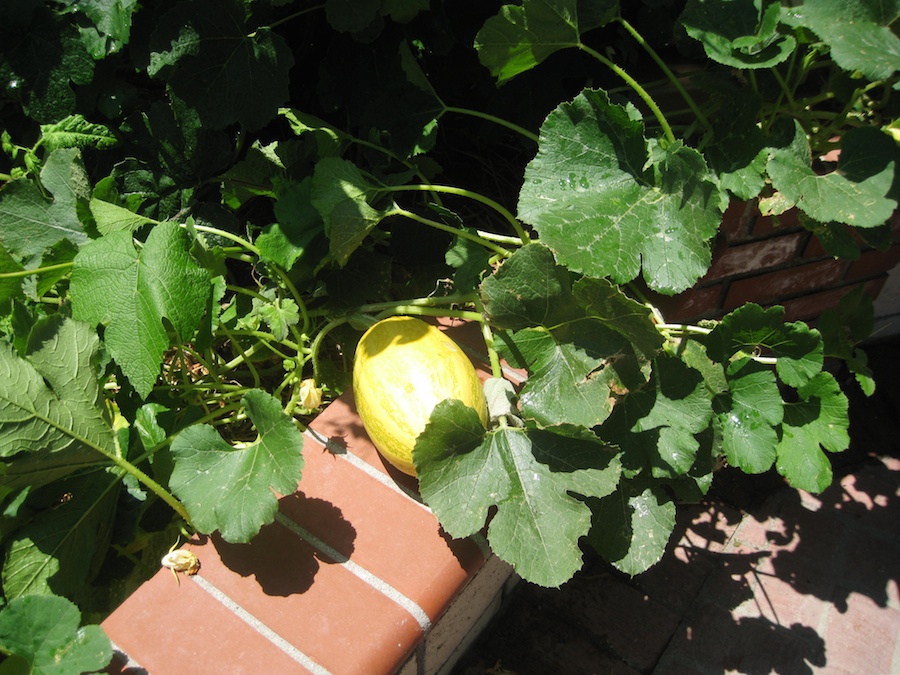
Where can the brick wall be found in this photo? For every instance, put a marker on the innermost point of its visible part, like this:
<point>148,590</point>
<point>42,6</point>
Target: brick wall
<point>777,262</point>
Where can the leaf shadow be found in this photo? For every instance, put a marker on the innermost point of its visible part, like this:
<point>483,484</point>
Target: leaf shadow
<point>287,539</point>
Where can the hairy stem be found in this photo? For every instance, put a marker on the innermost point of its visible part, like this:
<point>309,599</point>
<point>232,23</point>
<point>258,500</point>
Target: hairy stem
<point>636,87</point>
<point>462,192</point>
<point>481,241</point>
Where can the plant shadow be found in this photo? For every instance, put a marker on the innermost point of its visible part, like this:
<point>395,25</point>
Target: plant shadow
<point>759,578</point>
<point>285,539</point>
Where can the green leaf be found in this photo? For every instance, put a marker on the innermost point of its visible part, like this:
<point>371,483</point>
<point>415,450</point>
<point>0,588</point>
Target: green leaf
<point>605,204</point>
<point>738,154</point>
<point>529,289</point>
<point>42,58</point>
<point>520,37</point>
<point>51,420</point>
<point>857,31</point>
<point>530,475</point>
<point>342,195</point>
<point>609,305</point>
<point>76,132</point>
<point>113,218</point>
<point>30,222</point>
<point>797,348</point>
<point>45,632</point>
<point>213,60</point>
<point>470,261</point>
<point>232,488</point>
<point>351,16</point>
<point>299,224</point>
<point>656,427</point>
<point>631,528</point>
<point>819,419</point>
<point>739,33</point>
<point>750,418</point>
<point>278,313</point>
<point>859,193</point>
<point>403,11</point>
<point>570,380</point>
<point>58,551</point>
<point>10,287</point>
<point>131,291</point>
<point>112,22</point>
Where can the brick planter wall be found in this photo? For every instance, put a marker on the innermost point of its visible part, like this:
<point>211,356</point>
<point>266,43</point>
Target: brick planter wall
<point>758,259</point>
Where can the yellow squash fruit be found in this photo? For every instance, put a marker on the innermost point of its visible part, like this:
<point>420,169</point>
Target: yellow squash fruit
<point>404,367</point>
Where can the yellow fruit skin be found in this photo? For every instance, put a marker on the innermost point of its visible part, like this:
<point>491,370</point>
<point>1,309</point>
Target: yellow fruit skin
<point>404,367</point>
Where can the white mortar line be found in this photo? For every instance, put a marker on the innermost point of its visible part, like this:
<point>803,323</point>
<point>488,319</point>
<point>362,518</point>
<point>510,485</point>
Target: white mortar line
<point>383,478</point>
<point>261,628</point>
<point>358,571</point>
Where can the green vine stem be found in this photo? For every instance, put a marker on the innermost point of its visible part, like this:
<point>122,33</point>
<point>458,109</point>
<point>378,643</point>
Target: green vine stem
<point>469,194</point>
<point>419,310</point>
<point>496,120</point>
<point>488,335</point>
<point>37,270</point>
<point>635,86</point>
<point>692,104</point>
<point>478,239</point>
<point>143,478</point>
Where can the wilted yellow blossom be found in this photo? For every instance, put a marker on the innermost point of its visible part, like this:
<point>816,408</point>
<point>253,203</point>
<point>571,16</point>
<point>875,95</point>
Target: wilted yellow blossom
<point>310,394</point>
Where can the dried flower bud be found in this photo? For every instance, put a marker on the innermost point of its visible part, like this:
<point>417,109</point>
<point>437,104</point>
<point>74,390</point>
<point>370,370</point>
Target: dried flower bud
<point>310,394</point>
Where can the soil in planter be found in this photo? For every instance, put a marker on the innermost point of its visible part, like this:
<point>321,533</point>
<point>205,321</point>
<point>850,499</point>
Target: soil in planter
<point>604,622</point>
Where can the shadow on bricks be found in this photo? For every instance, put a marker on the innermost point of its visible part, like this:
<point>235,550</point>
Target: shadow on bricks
<point>264,556</point>
<point>759,578</point>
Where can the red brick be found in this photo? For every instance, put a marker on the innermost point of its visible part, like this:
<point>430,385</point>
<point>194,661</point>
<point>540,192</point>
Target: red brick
<point>873,263</point>
<point>766,289</point>
<point>755,257</point>
<point>738,220</point>
<point>862,639</point>
<point>811,306</point>
<point>766,225</point>
<point>692,304</point>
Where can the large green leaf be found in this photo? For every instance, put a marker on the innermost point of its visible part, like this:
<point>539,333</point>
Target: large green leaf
<point>30,222</point>
<point>532,477</point>
<point>751,416</point>
<point>570,380</point>
<point>58,551</point>
<point>131,291</point>
<point>656,428</point>
<point>45,632</point>
<point>299,224</point>
<point>607,202</point>
<point>520,37</point>
<point>51,420</point>
<point>857,31</point>
<point>631,528</point>
<point>797,347</point>
<point>859,193</point>
<point>343,194</point>
<point>76,132</point>
<point>819,419</point>
<point>607,303</point>
<point>230,488</point>
<point>530,289</point>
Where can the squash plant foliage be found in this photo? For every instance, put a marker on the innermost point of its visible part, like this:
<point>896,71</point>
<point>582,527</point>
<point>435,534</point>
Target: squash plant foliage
<point>205,202</point>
